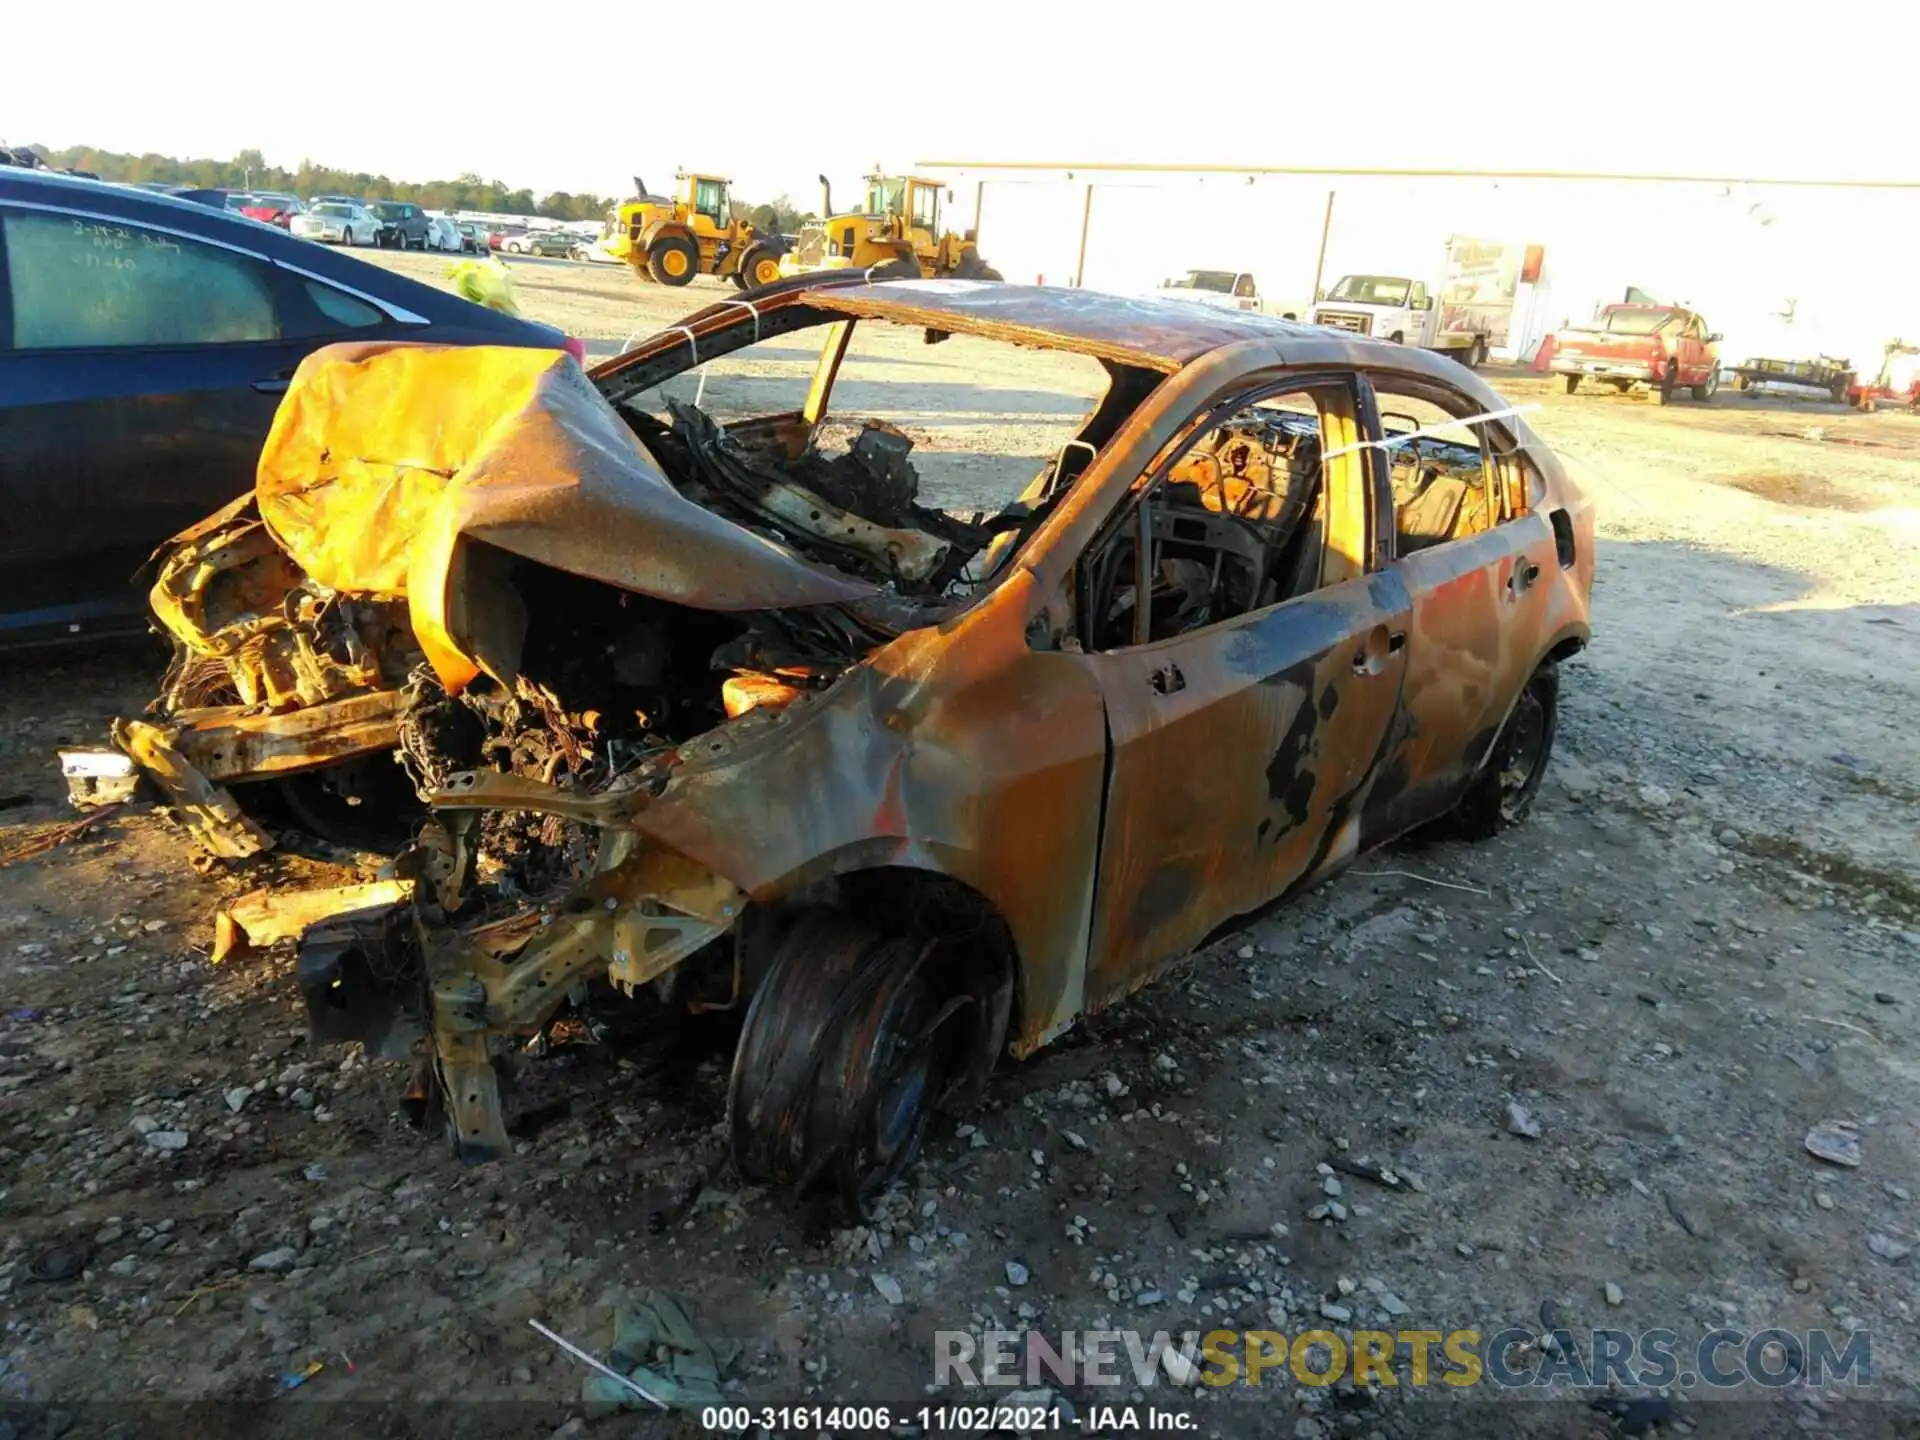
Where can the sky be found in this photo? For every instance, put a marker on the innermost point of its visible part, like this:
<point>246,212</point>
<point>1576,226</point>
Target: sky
<point>583,97</point>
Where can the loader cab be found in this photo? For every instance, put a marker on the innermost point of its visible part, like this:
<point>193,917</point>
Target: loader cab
<point>910,199</point>
<point>886,197</point>
<point>707,196</point>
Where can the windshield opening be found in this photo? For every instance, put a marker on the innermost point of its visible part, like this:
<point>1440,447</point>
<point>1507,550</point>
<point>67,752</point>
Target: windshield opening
<point>1372,289</point>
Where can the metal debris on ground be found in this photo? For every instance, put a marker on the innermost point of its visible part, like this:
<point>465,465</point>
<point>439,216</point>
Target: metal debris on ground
<point>295,1379</point>
<point>52,837</point>
<point>266,917</point>
<point>98,776</point>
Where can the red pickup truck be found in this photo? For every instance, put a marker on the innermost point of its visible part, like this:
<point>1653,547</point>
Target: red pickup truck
<point>1661,346</point>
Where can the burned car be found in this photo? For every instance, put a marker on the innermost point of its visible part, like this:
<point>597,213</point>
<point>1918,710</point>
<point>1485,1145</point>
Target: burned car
<point>728,717</point>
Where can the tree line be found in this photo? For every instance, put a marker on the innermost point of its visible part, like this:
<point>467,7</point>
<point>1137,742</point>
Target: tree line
<point>249,170</point>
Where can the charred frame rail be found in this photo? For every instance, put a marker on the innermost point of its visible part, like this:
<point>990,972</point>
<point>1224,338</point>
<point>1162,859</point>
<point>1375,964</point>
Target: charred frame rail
<point>646,910</point>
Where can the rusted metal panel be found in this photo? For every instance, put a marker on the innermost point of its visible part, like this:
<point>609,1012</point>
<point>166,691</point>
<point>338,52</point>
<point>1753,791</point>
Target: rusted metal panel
<point>235,744</point>
<point>266,917</point>
<point>205,809</point>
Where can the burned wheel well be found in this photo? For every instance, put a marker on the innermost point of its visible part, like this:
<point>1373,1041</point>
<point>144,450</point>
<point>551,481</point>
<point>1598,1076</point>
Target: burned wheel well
<point>974,952</point>
<point>1565,649</point>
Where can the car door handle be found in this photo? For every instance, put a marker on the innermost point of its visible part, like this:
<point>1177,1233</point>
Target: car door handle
<point>1525,572</point>
<point>1167,680</point>
<point>273,385</point>
<point>1381,642</point>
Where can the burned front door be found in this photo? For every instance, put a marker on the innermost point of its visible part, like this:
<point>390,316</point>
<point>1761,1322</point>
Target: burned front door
<point>1250,663</point>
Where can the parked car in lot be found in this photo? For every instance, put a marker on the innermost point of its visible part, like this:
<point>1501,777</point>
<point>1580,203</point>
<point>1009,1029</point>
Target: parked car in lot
<point>338,222</point>
<point>1663,347</point>
<point>1008,769</point>
<point>594,251</point>
<point>443,234</point>
<point>272,208</point>
<point>506,238</point>
<point>473,237</point>
<point>402,226</point>
<point>144,343</point>
<point>544,242</point>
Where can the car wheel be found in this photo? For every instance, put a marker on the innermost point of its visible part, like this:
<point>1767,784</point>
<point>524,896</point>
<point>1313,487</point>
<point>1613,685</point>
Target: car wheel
<point>1502,793</point>
<point>1707,391</point>
<point>1398,337</point>
<point>674,260</point>
<point>1572,383</point>
<point>845,1052</point>
<point>1663,393</point>
<point>898,268</point>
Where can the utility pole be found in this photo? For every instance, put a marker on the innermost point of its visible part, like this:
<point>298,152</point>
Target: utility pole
<point>1320,264</point>
<point>1086,220</point>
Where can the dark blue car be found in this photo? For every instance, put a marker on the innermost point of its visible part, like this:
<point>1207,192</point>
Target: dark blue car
<point>144,343</point>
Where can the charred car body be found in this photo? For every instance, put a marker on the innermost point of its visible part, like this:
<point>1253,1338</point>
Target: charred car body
<point>711,714</point>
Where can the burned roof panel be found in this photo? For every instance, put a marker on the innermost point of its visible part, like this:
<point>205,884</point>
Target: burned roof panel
<point>1153,334</point>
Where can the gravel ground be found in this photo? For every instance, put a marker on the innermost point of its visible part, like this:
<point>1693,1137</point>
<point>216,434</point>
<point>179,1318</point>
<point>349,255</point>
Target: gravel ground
<point>1588,1053</point>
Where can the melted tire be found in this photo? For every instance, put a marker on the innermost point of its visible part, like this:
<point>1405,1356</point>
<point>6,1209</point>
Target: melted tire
<point>1504,790</point>
<point>841,1061</point>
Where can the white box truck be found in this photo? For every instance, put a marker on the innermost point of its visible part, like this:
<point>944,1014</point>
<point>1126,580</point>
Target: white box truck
<point>1464,315</point>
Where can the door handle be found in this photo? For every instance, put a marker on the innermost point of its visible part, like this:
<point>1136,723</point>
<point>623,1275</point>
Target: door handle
<point>1167,679</point>
<point>1370,658</point>
<point>274,385</point>
<point>1525,572</point>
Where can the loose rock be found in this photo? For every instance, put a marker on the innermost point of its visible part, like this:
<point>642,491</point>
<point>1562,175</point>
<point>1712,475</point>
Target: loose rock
<point>1835,1141</point>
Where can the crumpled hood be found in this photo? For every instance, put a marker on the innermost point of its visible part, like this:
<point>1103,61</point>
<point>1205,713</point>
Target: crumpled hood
<point>385,460</point>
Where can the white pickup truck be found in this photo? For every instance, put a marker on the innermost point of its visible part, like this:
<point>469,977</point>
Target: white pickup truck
<point>1225,290</point>
<point>1393,307</point>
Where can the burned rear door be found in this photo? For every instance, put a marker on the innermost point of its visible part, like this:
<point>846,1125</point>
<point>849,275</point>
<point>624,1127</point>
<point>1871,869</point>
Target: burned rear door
<point>1243,726</point>
<point>1479,568</point>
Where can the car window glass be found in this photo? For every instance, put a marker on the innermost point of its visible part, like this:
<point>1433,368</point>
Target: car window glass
<point>342,308</point>
<point>1235,522</point>
<point>80,283</point>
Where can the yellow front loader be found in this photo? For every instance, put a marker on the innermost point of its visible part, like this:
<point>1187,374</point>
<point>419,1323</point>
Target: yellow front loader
<point>897,235</point>
<point>671,239</point>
